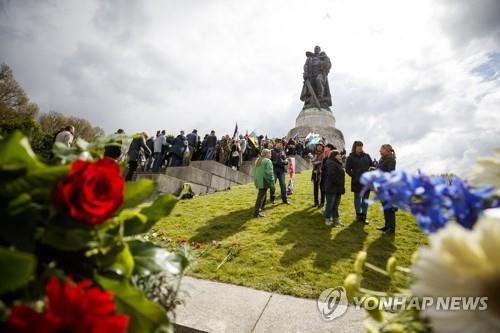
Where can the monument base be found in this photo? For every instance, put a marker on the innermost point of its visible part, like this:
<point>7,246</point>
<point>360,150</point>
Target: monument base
<point>320,120</point>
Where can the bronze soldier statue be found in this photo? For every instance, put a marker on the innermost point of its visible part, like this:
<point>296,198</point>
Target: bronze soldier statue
<point>316,91</point>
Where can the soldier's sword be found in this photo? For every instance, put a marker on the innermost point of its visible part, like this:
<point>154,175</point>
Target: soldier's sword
<point>313,94</point>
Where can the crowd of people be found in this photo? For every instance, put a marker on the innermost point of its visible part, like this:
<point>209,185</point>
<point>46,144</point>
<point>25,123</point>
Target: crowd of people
<point>328,177</point>
<point>328,173</point>
<point>155,153</point>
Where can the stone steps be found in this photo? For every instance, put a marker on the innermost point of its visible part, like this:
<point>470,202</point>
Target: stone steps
<point>208,176</point>
<point>223,171</point>
<point>204,177</point>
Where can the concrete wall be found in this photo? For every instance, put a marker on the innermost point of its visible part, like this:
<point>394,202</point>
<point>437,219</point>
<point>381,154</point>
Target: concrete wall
<point>169,184</point>
<point>223,171</point>
<point>248,167</point>
<point>208,176</point>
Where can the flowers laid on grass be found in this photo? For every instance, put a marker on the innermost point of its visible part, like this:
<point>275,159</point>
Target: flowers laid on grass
<point>71,307</point>
<point>233,251</point>
<point>80,220</point>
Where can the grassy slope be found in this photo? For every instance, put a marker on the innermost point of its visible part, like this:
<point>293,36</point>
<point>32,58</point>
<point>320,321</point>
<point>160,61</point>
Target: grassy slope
<point>290,251</point>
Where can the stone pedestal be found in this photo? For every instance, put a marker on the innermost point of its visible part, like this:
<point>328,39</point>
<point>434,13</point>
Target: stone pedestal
<point>322,121</point>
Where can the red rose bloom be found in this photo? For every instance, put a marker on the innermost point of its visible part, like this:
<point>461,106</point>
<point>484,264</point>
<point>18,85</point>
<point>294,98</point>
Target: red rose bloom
<point>91,192</point>
<point>79,308</point>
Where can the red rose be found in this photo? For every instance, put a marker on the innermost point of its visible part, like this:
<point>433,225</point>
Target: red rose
<point>71,308</point>
<point>91,192</point>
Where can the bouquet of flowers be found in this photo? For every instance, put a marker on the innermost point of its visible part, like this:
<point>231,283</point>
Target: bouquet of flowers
<point>70,246</point>
<point>462,260</point>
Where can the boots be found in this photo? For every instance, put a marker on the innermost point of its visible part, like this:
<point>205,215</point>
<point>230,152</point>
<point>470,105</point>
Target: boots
<point>363,219</point>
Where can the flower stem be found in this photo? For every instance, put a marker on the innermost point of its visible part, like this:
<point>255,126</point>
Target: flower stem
<point>376,269</point>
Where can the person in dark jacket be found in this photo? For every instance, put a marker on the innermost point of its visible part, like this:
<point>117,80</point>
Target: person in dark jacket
<point>150,142</point>
<point>211,144</point>
<point>280,167</point>
<point>193,141</point>
<point>387,163</point>
<point>134,153</point>
<point>234,155</point>
<point>358,163</point>
<point>334,178</point>
<point>178,150</point>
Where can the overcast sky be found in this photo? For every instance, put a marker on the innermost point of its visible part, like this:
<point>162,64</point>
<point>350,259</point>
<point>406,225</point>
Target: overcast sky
<point>421,75</point>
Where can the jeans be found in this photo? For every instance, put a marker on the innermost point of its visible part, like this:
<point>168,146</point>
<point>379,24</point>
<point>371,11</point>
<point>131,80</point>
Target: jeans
<point>279,175</point>
<point>360,203</point>
<point>259,203</point>
<point>175,161</point>
<point>210,153</point>
<point>157,162</point>
<point>390,219</point>
<point>332,205</point>
<point>132,167</point>
<point>318,186</point>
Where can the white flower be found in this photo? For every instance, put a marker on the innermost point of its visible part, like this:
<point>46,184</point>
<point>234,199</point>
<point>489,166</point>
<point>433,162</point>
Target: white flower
<point>461,262</point>
<point>486,172</point>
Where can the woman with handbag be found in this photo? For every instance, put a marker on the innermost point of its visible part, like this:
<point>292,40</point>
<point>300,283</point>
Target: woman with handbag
<point>263,179</point>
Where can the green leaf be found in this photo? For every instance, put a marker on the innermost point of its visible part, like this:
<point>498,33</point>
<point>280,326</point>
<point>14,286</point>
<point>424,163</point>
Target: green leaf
<point>137,192</point>
<point>17,269</point>
<point>150,258</point>
<point>133,222</point>
<point>144,315</point>
<point>16,154</point>
<point>45,177</point>
<point>67,239</point>
<point>119,261</point>
<point>160,208</point>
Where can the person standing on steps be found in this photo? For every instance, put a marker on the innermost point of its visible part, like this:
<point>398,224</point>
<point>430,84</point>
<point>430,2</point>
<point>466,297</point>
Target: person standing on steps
<point>358,163</point>
<point>211,144</point>
<point>134,153</point>
<point>158,147</point>
<point>387,163</point>
<point>193,141</point>
<point>178,149</point>
<point>334,182</point>
<point>263,179</point>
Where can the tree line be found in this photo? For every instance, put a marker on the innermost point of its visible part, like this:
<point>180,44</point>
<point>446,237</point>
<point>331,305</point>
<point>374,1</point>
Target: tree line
<point>17,112</point>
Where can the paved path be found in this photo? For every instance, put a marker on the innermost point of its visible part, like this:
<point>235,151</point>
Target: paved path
<point>219,307</point>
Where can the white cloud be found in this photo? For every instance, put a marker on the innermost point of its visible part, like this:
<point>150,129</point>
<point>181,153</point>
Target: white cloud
<point>404,73</point>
